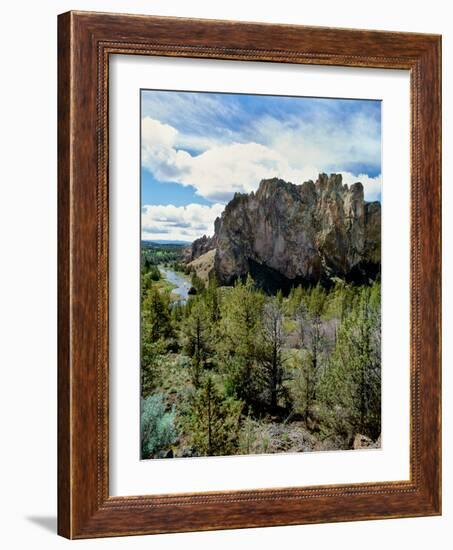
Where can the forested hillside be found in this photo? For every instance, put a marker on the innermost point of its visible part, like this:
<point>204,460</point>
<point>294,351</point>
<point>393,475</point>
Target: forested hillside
<point>232,370</point>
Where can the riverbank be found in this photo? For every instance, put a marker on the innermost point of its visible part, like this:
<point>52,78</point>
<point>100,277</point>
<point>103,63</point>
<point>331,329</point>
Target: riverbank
<point>178,283</point>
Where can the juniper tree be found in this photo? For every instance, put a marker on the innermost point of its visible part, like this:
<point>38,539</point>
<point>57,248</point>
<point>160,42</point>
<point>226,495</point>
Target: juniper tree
<point>151,366</point>
<point>240,344</point>
<point>157,336</point>
<point>311,342</point>
<point>214,420</point>
<point>212,299</point>
<point>156,320</point>
<point>351,385</point>
<point>197,339</point>
<point>271,350</point>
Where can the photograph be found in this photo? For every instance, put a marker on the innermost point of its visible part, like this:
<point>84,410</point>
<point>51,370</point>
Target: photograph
<point>260,274</point>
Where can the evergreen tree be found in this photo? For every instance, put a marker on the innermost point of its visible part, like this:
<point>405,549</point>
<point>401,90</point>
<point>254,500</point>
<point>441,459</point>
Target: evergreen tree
<point>311,342</point>
<point>177,313</point>
<point>240,344</point>
<point>156,320</point>
<point>197,283</point>
<point>271,350</point>
<point>214,421</point>
<point>151,365</point>
<point>156,337</point>
<point>197,339</point>
<point>212,299</point>
<point>352,384</point>
<point>295,298</point>
<point>315,301</point>
<point>154,273</point>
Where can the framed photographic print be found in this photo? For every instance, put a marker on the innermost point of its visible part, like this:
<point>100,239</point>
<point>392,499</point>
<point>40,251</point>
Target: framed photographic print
<point>249,275</point>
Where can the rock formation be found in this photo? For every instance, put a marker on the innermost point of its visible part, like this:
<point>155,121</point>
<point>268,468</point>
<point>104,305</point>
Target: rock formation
<point>286,233</point>
<point>200,246</point>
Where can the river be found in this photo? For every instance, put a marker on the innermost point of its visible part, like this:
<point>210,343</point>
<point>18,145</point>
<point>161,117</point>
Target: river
<point>182,285</point>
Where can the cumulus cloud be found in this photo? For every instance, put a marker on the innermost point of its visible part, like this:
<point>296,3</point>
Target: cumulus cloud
<point>219,172</point>
<point>355,140</point>
<point>179,223</point>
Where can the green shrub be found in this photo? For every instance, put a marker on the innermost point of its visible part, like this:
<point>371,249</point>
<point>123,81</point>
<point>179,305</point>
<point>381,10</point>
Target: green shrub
<point>157,426</point>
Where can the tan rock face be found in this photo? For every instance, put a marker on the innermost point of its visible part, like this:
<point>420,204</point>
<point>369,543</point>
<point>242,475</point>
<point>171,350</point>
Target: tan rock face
<point>304,232</point>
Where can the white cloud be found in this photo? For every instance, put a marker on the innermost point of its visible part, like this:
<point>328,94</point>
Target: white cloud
<point>325,140</point>
<point>158,152</point>
<point>293,154</point>
<point>179,223</point>
<point>222,171</point>
<point>372,187</point>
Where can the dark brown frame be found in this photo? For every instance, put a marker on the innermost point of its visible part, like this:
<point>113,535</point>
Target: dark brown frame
<point>85,42</point>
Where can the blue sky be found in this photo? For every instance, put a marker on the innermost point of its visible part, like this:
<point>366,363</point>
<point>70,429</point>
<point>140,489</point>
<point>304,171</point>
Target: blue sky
<point>198,149</point>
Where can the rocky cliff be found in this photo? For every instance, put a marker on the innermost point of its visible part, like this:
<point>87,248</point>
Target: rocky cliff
<point>286,233</point>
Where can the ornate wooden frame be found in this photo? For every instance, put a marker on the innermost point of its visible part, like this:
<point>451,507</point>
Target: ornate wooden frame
<point>85,41</point>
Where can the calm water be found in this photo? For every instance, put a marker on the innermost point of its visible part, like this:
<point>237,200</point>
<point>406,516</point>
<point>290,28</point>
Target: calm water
<point>182,284</point>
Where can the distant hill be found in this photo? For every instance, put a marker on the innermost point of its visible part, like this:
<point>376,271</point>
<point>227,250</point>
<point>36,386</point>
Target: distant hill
<point>286,233</point>
<point>179,243</point>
